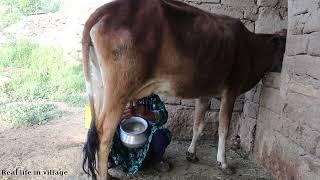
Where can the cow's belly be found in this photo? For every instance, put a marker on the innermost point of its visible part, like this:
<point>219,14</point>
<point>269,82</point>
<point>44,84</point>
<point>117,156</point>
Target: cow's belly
<point>183,88</point>
<point>196,89</point>
<point>187,79</point>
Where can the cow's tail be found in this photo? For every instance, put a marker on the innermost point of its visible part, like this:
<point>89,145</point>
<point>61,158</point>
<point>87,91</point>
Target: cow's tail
<point>89,151</point>
<point>92,144</point>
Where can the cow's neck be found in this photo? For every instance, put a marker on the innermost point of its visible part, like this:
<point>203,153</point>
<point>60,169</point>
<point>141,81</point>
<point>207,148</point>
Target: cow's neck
<point>263,54</point>
<point>262,57</point>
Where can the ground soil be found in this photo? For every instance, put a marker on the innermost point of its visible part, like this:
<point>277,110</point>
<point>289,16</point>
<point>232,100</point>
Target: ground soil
<point>57,146</point>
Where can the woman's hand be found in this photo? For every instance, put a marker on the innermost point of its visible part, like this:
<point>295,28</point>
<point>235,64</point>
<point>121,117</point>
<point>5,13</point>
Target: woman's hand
<point>133,109</point>
<point>128,110</point>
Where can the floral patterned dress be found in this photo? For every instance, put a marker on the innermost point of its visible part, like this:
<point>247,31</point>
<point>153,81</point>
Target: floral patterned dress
<point>130,159</point>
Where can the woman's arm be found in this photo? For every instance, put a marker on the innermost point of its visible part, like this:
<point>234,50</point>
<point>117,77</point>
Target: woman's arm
<point>159,110</point>
<point>150,107</point>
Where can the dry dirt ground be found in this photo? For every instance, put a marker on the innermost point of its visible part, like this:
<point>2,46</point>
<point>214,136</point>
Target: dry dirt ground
<point>57,146</point>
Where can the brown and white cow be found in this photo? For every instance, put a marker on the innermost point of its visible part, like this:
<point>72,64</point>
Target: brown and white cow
<point>132,48</point>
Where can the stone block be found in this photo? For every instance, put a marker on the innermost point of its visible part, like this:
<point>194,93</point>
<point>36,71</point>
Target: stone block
<point>202,1</point>
<point>271,20</point>
<point>215,104</point>
<point>297,44</point>
<point>171,100</point>
<point>251,110</point>
<point>302,88</point>
<point>247,132</point>
<point>268,119</point>
<point>286,73</point>
<point>239,3</point>
<point>300,7</point>
<point>283,3</point>
<point>313,23</point>
<point>301,134</point>
<point>314,71</point>
<point>318,150</point>
<point>305,72</point>
<point>266,3</point>
<point>249,25</point>
<point>272,80</point>
<point>222,9</point>
<point>314,44</point>
<point>271,99</point>
<point>254,94</point>
<point>180,122</point>
<point>301,64</point>
<point>212,116</point>
<point>272,3</point>
<point>234,125</point>
<point>296,24</point>
<point>188,102</point>
<point>304,109</point>
<point>210,131</point>
<point>251,14</point>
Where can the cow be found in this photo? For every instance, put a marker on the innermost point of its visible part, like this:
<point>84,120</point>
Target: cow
<point>132,48</point>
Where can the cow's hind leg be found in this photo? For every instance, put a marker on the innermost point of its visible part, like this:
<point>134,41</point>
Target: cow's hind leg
<point>106,138</point>
<point>226,108</point>
<point>101,134</point>
<point>198,125</point>
<point>117,90</point>
<point>106,129</point>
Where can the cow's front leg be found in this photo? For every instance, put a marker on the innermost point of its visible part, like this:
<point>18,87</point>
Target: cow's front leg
<point>226,108</point>
<point>106,130</point>
<point>201,107</point>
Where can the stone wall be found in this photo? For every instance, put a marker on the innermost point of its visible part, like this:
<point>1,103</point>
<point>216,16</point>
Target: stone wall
<point>272,17</point>
<point>287,139</point>
<point>181,113</point>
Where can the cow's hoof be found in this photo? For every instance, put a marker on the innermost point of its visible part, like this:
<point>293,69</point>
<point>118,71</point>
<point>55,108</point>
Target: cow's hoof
<point>227,170</point>
<point>112,177</point>
<point>192,157</point>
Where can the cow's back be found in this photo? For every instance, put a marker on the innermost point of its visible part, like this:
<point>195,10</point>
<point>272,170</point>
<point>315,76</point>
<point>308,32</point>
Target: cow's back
<point>210,49</point>
<point>195,51</point>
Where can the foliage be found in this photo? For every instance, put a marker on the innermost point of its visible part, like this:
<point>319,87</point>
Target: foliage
<point>39,73</point>
<point>28,113</point>
<point>12,10</point>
